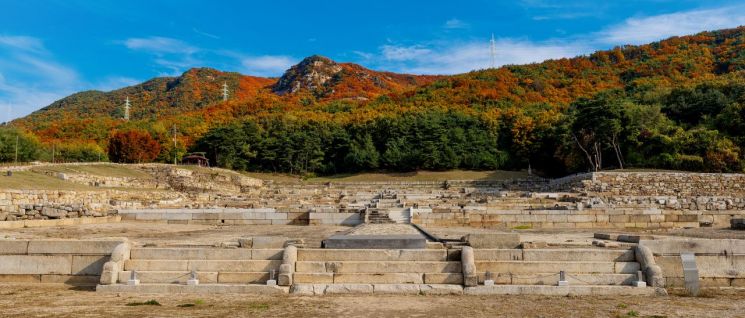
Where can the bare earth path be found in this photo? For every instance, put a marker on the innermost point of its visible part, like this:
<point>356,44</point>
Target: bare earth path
<point>58,301</point>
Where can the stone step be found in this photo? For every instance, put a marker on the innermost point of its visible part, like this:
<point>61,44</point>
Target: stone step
<point>379,278</point>
<point>203,265</point>
<point>204,289</point>
<point>383,289</point>
<point>371,255</point>
<point>378,267</point>
<point>563,290</point>
<point>176,277</point>
<point>557,254</point>
<point>553,279</point>
<point>529,267</point>
<point>169,253</point>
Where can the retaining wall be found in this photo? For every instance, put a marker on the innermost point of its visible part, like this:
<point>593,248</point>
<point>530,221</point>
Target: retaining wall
<point>72,262</point>
<point>720,263</point>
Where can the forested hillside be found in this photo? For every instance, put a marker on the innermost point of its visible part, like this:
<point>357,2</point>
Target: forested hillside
<point>674,104</point>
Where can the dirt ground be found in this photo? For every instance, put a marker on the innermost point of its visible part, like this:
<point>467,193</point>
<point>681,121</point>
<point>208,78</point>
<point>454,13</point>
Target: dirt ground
<point>182,234</point>
<point>57,301</point>
<point>175,234</point>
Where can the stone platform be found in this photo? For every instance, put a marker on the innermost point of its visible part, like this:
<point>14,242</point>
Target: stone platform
<point>375,242</point>
<point>378,236</point>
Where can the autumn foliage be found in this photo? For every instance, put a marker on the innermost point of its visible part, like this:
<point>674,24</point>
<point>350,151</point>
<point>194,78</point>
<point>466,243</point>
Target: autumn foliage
<point>133,146</point>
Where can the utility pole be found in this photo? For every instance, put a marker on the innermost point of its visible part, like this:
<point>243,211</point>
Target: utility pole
<point>174,145</point>
<point>225,91</point>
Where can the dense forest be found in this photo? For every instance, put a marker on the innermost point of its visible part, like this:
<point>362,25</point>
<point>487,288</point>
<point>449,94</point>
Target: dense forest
<point>673,104</point>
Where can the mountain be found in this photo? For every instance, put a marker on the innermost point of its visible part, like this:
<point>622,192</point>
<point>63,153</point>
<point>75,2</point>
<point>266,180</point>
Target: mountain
<point>325,78</point>
<point>519,98</point>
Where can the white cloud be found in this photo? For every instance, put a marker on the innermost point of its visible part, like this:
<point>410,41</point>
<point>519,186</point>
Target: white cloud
<point>403,53</point>
<point>639,30</point>
<point>452,58</point>
<point>455,24</point>
<point>25,43</point>
<point>169,53</point>
<point>116,82</point>
<point>267,65</point>
<point>160,45</point>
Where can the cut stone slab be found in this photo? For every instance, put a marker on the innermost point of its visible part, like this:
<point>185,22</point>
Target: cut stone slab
<point>197,289</point>
<point>375,242</point>
<point>563,290</point>
<point>493,240</point>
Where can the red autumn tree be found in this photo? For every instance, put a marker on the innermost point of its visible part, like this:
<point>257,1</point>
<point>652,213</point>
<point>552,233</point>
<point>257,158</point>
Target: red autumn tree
<point>133,146</point>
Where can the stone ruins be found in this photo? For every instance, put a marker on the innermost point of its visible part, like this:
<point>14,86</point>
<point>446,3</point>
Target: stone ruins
<point>394,242</point>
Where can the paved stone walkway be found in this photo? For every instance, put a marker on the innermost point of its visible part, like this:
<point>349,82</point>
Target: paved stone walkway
<point>384,229</point>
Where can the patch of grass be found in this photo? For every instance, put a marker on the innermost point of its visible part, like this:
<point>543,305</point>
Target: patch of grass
<point>185,305</point>
<point>258,306</point>
<point>522,227</point>
<point>105,170</point>
<point>622,306</point>
<point>632,313</point>
<point>28,180</point>
<point>151,302</point>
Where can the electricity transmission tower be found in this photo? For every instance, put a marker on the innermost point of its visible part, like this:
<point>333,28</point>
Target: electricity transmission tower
<point>493,51</point>
<point>126,109</point>
<point>224,91</point>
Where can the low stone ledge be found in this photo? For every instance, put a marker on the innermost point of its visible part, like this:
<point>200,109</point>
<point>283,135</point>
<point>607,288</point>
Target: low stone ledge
<point>196,289</point>
<point>563,290</point>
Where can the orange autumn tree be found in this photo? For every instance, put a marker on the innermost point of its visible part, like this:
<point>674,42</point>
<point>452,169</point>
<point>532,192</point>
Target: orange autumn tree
<point>133,146</point>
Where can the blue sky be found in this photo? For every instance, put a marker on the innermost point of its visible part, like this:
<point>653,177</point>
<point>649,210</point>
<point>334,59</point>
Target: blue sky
<point>52,48</point>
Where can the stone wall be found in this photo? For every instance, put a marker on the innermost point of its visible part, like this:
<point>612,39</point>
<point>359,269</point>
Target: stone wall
<point>72,262</point>
<point>720,263</point>
<point>51,204</point>
<point>263,216</point>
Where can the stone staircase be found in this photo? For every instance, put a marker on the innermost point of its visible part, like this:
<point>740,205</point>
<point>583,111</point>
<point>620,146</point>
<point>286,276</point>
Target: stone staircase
<point>386,208</point>
<point>392,266</point>
<point>212,265</point>
<point>582,266</point>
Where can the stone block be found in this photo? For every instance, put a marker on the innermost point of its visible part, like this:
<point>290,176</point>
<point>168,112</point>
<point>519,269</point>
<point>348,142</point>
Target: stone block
<point>310,267</point>
<point>13,247</point>
<point>191,253</point>
<point>156,265</point>
<point>348,289</point>
<point>379,278</point>
<point>78,247</point>
<point>269,242</point>
<point>267,254</point>
<point>313,278</point>
<point>493,240</point>
<point>88,264</point>
<point>243,277</point>
<point>235,266</point>
<point>35,264</point>
<point>396,289</point>
<point>370,255</point>
<point>436,289</point>
<point>498,254</point>
<point>443,278</point>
